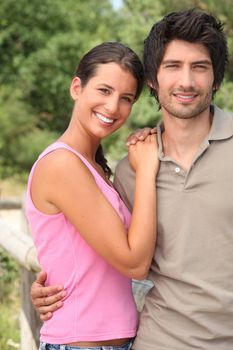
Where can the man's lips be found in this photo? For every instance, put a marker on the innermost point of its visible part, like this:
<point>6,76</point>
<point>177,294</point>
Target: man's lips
<point>185,97</point>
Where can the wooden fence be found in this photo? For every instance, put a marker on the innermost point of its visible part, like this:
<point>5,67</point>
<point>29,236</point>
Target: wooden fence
<point>18,243</point>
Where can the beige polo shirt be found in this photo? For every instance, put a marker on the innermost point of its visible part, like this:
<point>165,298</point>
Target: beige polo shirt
<point>191,304</point>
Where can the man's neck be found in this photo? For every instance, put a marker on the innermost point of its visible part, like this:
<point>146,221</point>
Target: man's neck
<point>182,137</point>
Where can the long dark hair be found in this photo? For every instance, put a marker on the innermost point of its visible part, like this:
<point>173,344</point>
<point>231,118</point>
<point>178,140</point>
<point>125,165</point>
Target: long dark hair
<point>105,53</point>
<point>190,25</point>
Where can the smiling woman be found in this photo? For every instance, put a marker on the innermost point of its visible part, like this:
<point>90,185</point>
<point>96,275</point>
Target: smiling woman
<point>83,231</point>
<point>104,103</point>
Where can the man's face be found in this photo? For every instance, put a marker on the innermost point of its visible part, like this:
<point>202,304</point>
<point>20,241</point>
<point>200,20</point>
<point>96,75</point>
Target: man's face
<point>185,79</point>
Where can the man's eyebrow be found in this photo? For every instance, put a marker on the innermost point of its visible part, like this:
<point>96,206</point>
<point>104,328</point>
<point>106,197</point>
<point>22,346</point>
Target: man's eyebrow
<point>207,62</point>
<point>170,61</point>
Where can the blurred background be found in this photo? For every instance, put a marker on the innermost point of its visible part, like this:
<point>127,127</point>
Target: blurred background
<point>41,43</point>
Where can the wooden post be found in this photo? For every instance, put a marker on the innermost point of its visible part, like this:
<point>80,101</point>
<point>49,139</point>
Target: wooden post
<point>29,319</point>
<point>20,246</point>
<point>30,323</point>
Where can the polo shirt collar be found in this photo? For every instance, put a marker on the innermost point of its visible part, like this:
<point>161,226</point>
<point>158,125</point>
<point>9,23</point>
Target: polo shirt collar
<point>222,125</point>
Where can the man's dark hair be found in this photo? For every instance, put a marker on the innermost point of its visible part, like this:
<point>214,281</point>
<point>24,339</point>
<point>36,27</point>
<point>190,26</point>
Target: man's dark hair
<point>190,25</point>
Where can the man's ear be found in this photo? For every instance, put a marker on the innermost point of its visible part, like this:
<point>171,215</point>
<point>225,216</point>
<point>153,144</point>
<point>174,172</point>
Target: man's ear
<point>216,88</point>
<point>75,88</point>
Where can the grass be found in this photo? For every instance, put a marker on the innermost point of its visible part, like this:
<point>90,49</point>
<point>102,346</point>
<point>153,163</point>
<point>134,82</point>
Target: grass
<point>9,326</point>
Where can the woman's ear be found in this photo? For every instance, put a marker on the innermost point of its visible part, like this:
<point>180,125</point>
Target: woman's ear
<point>75,88</point>
<point>151,85</point>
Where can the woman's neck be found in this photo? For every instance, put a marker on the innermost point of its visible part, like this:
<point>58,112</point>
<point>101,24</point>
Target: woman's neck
<point>79,140</point>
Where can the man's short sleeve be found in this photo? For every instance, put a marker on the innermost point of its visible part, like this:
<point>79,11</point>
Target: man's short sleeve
<point>124,182</point>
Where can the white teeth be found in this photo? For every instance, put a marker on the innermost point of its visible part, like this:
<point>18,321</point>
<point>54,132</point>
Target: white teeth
<point>185,97</point>
<point>104,119</point>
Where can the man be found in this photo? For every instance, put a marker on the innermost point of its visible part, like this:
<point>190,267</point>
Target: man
<point>191,303</point>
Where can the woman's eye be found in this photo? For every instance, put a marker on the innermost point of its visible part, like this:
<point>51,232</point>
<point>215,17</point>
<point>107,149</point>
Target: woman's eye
<point>128,99</point>
<point>104,91</point>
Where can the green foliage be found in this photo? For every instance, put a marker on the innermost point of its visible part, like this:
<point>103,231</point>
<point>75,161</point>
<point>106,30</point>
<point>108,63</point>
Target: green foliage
<point>21,139</point>
<point>9,272</point>
<point>46,81</point>
<point>223,98</point>
<point>137,19</point>
<point>25,27</point>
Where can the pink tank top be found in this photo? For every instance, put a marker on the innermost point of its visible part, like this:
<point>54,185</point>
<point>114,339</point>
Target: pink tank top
<point>99,304</point>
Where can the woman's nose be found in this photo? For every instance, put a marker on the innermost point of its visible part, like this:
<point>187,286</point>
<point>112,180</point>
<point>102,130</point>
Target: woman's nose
<point>112,104</point>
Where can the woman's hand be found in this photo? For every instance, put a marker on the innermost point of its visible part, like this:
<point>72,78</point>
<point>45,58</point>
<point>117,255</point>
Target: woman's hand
<point>143,155</point>
<point>139,135</point>
<point>46,300</point>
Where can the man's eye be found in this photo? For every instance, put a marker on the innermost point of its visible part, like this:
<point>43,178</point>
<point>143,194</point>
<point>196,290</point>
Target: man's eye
<point>171,66</point>
<point>200,67</point>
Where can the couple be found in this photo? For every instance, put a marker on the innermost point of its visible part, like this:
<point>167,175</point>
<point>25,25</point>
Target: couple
<point>191,303</point>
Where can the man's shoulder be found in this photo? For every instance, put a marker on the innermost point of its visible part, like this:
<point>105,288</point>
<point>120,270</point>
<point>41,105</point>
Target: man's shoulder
<point>124,181</point>
<point>124,171</point>
<point>123,166</point>
<point>222,126</point>
<point>222,113</point>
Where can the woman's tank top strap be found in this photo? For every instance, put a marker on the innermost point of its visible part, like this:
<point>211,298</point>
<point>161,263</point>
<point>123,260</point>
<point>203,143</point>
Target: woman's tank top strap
<point>59,144</point>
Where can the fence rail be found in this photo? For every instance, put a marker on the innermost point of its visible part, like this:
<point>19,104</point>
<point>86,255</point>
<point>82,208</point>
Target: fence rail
<point>19,244</point>
<point>10,203</point>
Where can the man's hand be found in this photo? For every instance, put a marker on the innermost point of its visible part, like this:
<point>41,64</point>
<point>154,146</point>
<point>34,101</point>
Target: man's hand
<point>46,300</point>
<point>139,135</point>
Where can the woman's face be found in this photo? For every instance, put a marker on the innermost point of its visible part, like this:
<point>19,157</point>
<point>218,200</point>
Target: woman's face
<point>105,102</point>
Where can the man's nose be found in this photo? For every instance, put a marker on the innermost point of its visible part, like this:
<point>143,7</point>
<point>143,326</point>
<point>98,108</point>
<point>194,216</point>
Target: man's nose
<point>186,78</point>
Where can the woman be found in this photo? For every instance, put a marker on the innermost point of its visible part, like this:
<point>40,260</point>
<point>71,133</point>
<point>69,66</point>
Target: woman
<point>82,230</point>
